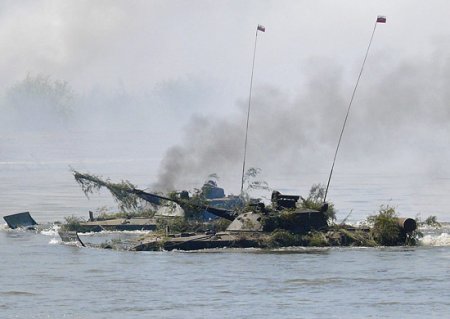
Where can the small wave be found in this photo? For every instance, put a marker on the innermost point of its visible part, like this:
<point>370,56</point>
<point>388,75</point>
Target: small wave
<point>216,250</point>
<point>297,250</point>
<point>257,250</point>
<point>5,227</point>
<point>314,282</point>
<point>17,293</point>
<point>54,241</point>
<point>435,240</point>
<point>444,227</point>
<point>71,243</point>
<point>53,231</point>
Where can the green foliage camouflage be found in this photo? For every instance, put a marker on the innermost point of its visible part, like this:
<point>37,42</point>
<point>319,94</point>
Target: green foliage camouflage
<point>278,224</point>
<point>342,235</point>
<point>182,225</point>
<point>432,221</point>
<point>121,192</point>
<point>179,225</point>
<point>74,223</point>
<point>315,200</point>
<point>129,203</point>
<point>281,238</point>
<point>317,239</point>
<point>252,183</point>
<point>385,230</point>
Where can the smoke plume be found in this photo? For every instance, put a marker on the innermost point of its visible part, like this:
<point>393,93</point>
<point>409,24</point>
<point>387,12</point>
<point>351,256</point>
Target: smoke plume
<point>398,119</point>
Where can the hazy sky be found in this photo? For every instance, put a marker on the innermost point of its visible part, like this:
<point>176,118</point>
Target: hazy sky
<point>205,46</point>
<point>195,57</point>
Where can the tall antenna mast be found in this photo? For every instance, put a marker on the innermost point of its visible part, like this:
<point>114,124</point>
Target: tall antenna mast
<point>262,29</point>
<point>380,19</point>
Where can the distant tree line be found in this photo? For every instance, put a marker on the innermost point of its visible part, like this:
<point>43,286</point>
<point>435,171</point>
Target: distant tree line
<point>39,102</point>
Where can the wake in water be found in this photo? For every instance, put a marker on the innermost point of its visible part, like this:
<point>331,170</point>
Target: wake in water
<point>435,236</point>
<point>52,231</point>
<point>433,240</point>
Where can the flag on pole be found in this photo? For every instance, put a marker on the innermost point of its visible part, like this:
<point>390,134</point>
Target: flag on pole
<point>381,19</point>
<point>261,28</point>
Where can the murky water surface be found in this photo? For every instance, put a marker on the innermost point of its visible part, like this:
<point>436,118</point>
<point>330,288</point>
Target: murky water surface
<point>42,278</point>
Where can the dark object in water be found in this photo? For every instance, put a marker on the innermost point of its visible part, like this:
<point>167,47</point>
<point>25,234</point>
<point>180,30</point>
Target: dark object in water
<point>253,228</point>
<point>70,237</point>
<point>20,220</point>
<point>408,225</point>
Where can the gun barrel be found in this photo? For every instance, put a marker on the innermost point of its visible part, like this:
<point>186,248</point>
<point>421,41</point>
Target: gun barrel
<point>220,212</point>
<point>156,199</point>
<point>151,198</point>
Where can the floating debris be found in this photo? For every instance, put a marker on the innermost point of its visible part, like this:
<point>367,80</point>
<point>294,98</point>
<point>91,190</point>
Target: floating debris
<point>22,220</point>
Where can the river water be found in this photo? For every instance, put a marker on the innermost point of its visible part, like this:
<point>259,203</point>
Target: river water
<point>42,278</point>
